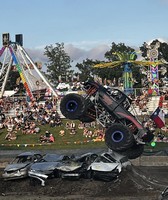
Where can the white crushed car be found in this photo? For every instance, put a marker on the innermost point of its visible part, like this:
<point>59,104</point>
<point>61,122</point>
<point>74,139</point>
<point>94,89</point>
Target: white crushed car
<point>107,166</point>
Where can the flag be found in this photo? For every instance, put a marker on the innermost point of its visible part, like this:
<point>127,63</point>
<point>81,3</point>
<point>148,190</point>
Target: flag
<point>158,117</point>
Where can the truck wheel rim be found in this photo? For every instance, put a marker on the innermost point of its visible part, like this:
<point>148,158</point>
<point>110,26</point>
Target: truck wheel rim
<point>117,136</point>
<point>71,106</point>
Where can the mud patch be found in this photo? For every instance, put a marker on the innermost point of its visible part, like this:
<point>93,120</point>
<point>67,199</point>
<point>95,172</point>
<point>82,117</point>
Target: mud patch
<point>132,183</point>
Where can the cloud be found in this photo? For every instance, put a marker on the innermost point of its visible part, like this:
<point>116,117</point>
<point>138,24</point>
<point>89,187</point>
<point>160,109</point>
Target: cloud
<point>77,52</point>
<point>37,54</point>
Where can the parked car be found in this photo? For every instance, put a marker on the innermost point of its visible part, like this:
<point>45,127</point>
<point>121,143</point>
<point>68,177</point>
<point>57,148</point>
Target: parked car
<point>18,168</point>
<point>107,166</point>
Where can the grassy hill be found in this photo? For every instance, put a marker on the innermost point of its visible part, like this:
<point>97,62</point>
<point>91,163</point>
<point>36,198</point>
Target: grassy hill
<point>68,141</point>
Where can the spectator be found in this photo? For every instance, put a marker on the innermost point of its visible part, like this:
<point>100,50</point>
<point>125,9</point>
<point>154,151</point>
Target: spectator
<point>51,138</point>
<point>11,136</point>
<point>47,134</point>
<point>62,132</point>
<point>2,117</point>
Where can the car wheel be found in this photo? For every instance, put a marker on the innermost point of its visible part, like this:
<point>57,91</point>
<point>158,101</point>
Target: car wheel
<point>56,174</point>
<point>118,137</point>
<point>89,174</point>
<point>33,181</point>
<point>134,152</point>
<point>72,106</point>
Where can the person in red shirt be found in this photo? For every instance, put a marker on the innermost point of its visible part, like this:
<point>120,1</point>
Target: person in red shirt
<point>51,139</point>
<point>161,100</point>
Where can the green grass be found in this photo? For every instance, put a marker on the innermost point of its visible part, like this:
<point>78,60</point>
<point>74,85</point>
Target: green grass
<point>31,141</point>
<point>77,141</point>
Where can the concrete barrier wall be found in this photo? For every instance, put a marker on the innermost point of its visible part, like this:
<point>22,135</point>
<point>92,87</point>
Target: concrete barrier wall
<point>151,161</point>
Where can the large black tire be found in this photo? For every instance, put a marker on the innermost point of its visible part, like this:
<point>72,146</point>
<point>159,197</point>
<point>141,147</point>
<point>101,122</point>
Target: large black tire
<point>72,106</point>
<point>118,137</point>
<point>134,152</point>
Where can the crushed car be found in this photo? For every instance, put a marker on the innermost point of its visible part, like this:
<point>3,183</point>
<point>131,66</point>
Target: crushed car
<point>46,168</point>
<point>60,166</point>
<point>164,194</point>
<point>19,166</point>
<point>107,166</point>
<point>76,166</point>
<point>111,108</point>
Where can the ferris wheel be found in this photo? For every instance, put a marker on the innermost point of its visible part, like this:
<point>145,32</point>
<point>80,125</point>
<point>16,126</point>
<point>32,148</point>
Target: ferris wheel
<point>14,57</point>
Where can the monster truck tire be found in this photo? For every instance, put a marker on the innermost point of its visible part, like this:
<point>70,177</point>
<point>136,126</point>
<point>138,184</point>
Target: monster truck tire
<point>134,152</point>
<point>118,137</point>
<point>72,106</point>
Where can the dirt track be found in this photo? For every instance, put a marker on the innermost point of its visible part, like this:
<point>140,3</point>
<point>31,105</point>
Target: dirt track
<point>145,183</point>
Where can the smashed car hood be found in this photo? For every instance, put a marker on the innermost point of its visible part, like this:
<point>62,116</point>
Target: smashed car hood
<point>69,166</point>
<point>14,167</point>
<point>44,166</point>
<point>105,166</point>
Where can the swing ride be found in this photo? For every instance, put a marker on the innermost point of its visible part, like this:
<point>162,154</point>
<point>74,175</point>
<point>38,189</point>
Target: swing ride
<point>127,60</point>
<point>14,57</point>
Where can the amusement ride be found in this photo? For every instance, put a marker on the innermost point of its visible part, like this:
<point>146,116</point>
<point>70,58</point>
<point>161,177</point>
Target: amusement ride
<point>14,57</point>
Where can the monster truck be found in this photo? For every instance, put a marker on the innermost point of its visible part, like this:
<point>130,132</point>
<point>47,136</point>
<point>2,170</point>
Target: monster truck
<point>124,133</point>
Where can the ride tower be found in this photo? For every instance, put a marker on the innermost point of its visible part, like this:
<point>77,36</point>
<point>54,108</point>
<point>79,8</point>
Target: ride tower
<point>153,77</point>
<point>13,57</point>
<point>128,79</point>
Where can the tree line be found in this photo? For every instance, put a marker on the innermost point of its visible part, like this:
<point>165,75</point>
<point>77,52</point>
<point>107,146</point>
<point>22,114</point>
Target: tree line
<point>59,63</point>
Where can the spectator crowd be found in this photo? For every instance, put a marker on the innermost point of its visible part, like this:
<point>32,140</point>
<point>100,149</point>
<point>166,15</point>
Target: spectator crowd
<point>17,114</point>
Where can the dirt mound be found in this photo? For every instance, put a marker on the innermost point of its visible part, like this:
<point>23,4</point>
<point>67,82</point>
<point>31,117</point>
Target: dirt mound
<point>131,183</point>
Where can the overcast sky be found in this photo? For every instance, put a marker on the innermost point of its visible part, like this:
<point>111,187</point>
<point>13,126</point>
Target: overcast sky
<point>86,27</point>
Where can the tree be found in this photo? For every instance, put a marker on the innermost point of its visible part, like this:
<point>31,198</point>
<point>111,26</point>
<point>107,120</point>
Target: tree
<point>121,47</point>
<point>121,56</point>
<point>125,54</point>
<point>86,69</point>
<point>58,62</point>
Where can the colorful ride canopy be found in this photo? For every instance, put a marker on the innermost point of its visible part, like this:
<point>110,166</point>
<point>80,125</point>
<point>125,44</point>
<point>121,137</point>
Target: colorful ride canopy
<point>127,60</point>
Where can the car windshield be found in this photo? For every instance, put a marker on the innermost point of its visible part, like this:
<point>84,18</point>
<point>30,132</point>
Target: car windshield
<point>106,159</point>
<point>52,158</point>
<point>110,157</point>
<point>22,159</point>
<point>101,159</point>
